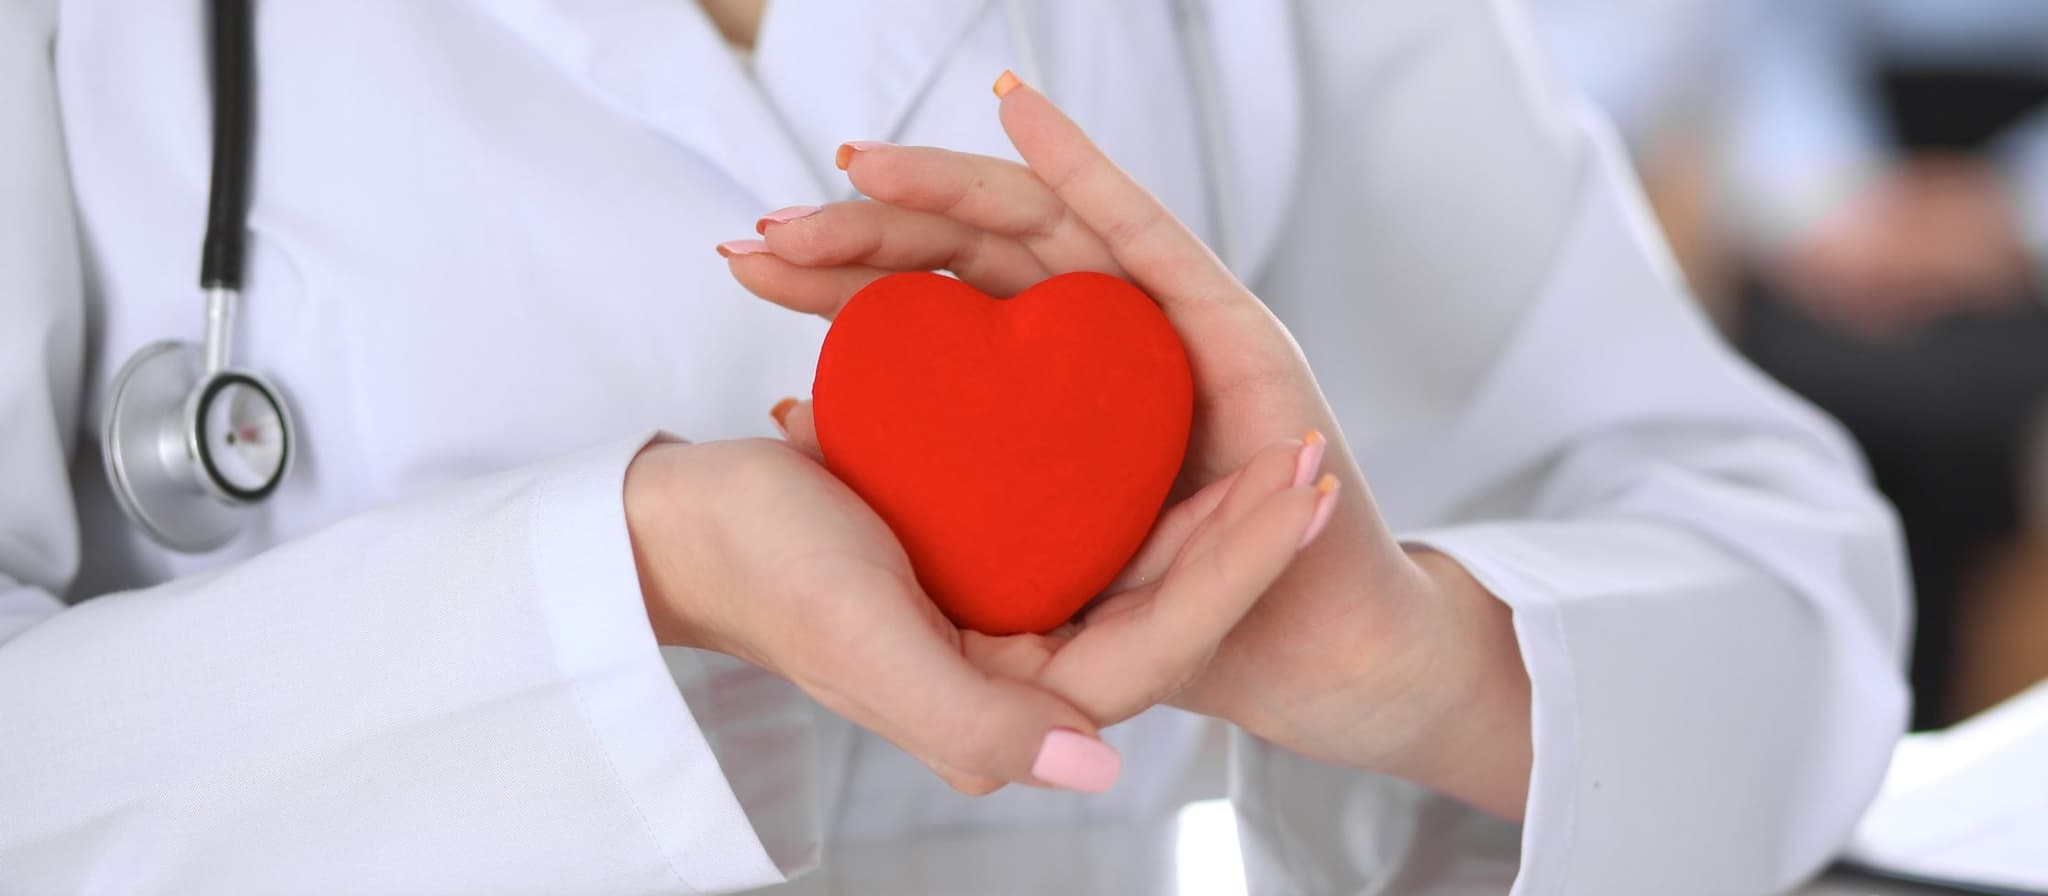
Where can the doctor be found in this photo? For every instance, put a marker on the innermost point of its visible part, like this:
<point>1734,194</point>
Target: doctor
<point>1640,631</point>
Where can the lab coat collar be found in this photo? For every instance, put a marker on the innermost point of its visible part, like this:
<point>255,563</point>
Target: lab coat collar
<point>855,69</point>
<point>826,73</point>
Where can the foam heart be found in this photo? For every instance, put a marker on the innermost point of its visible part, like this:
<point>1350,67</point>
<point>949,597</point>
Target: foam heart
<point>1019,448</point>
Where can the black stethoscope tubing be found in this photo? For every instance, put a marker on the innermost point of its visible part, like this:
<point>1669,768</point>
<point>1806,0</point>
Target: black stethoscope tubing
<point>227,205</point>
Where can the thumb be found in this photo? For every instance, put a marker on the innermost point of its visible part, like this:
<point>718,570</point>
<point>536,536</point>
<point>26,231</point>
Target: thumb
<point>977,730</point>
<point>793,419</point>
<point>899,671</point>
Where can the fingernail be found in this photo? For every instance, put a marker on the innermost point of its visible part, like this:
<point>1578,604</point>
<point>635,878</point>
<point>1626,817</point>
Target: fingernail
<point>1311,457</point>
<point>784,216</point>
<point>846,151</point>
<point>780,412</point>
<point>1074,761</point>
<point>1326,507</point>
<point>731,248</point>
<point>1006,82</point>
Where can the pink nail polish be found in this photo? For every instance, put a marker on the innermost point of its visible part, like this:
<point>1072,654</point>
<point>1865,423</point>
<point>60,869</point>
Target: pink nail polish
<point>846,151</point>
<point>731,248</point>
<point>1074,761</point>
<point>784,216</point>
<point>1310,459</point>
<point>1326,507</point>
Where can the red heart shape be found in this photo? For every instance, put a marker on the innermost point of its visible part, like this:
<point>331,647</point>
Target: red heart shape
<point>1020,449</point>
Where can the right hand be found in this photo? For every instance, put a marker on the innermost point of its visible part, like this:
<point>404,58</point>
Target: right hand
<point>752,549</point>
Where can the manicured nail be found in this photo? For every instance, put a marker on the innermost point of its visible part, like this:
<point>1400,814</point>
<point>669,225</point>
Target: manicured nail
<point>1326,507</point>
<point>846,151</point>
<point>779,413</point>
<point>1006,82</point>
<point>1074,761</point>
<point>1311,457</point>
<point>731,248</point>
<point>784,216</point>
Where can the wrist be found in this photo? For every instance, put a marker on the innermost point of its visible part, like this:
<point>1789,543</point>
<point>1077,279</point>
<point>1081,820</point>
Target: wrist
<point>1473,741</point>
<point>657,501</point>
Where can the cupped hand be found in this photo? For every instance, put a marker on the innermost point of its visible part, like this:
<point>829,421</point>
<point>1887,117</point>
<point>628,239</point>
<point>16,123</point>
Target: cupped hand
<point>1362,653</point>
<point>750,548</point>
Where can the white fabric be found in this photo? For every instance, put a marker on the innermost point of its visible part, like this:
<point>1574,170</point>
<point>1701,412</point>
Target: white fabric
<point>480,265</point>
<point>1969,803</point>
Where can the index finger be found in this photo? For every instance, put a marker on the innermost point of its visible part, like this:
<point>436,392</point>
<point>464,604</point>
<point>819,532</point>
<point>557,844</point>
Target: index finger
<point>1151,244</point>
<point>1146,652</point>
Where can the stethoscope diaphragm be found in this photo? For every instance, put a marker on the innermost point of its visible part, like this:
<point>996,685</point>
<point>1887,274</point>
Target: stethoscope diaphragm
<point>186,451</point>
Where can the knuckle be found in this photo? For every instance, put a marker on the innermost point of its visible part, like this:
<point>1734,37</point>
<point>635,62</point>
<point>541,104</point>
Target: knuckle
<point>804,245</point>
<point>1169,674</point>
<point>973,745</point>
<point>1127,231</point>
<point>969,254</point>
<point>1048,219</point>
<point>952,200</point>
<point>889,177</point>
<point>971,785</point>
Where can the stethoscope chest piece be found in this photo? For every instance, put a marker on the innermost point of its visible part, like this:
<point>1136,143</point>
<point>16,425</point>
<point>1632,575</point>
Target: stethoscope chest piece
<point>190,441</point>
<point>188,451</point>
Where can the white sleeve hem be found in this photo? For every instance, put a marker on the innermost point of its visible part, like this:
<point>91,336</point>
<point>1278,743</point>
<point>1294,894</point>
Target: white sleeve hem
<point>590,593</point>
<point>1548,825</point>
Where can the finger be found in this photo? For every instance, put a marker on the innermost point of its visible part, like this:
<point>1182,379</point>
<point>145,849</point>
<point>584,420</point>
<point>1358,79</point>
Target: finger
<point>793,419</point>
<point>1130,660</point>
<point>995,195</point>
<point>893,676</point>
<point>1290,464</point>
<point>877,235</point>
<point>1020,657</point>
<point>1168,535</point>
<point>819,291</point>
<point>1152,245</point>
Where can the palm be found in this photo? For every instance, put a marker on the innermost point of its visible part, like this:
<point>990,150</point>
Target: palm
<point>839,566</point>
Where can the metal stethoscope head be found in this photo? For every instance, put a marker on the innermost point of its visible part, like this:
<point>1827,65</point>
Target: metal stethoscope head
<point>190,442</point>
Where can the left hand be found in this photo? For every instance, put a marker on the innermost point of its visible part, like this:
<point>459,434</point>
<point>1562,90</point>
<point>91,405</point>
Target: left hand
<point>1364,653</point>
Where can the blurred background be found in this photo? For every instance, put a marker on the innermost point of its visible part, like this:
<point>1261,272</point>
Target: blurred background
<point>1858,192</point>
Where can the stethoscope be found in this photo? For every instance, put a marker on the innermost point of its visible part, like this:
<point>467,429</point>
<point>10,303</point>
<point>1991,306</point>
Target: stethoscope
<point>190,442</point>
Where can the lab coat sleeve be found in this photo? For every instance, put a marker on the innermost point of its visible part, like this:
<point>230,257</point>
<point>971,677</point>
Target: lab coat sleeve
<point>456,694</point>
<point>1709,600</point>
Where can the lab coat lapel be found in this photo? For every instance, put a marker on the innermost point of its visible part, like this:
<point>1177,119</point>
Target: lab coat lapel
<point>853,70</point>
<point>663,64</point>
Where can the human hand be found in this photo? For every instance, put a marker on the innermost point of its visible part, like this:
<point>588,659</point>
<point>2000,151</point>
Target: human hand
<point>1934,238</point>
<point>750,548</point>
<point>1362,653</point>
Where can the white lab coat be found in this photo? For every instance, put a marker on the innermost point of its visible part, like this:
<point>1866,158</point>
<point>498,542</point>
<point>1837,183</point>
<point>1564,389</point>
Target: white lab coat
<point>481,267</point>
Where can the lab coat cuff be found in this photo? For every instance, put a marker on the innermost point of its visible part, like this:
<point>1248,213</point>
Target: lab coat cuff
<point>660,756</point>
<point>1500,560</point>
